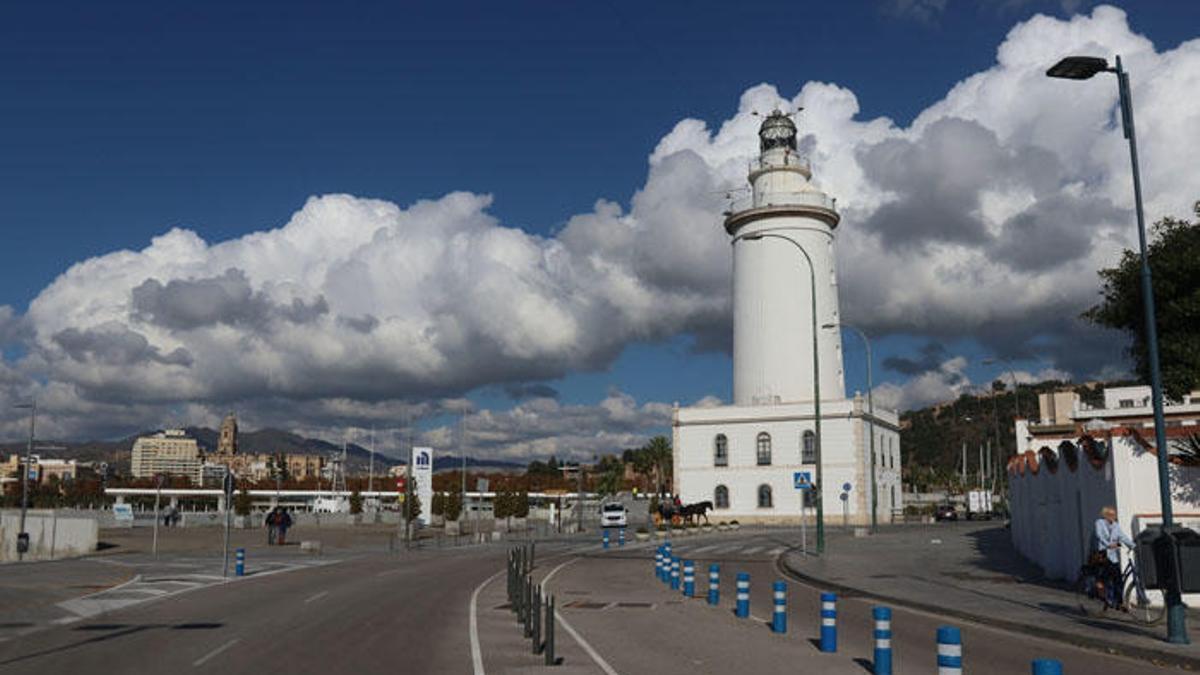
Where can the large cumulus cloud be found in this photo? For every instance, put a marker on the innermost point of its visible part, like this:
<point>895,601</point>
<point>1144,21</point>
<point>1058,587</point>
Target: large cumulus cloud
<point>986,217</point>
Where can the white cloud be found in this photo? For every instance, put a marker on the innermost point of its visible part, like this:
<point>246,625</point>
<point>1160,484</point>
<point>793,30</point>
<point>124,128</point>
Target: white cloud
<point>986,218</point>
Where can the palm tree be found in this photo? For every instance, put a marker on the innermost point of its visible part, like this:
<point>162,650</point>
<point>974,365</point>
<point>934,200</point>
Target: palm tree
<point>658,456</point>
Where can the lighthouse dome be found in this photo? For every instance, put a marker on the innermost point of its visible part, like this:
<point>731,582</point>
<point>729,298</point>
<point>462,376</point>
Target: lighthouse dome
<point>777,131</point>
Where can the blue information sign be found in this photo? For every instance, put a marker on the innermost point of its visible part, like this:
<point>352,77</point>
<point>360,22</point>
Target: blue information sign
<point>802,480</point>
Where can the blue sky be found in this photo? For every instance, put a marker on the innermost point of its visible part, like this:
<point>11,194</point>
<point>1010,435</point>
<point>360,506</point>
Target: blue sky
<point>121,121</point>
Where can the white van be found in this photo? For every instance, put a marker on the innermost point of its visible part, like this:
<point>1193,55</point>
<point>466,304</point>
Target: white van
<point>614,515</point>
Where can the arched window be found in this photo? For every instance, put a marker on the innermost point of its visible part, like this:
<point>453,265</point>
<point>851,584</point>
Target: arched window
<point>808,447</point>
<point>721,497</point>
<point>721,451</point>
<point>764,496</point>
<point>764,449</point>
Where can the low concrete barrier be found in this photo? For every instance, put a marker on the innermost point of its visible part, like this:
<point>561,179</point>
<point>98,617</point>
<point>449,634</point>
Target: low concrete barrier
<point>50,536</point>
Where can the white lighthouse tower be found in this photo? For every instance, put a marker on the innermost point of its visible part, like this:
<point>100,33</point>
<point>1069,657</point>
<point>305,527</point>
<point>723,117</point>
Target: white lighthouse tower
<point>745,457</point>
<point>782,243</point>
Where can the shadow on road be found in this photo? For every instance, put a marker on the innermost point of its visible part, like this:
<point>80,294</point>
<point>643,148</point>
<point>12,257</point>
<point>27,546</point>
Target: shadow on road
<point>112,631</point>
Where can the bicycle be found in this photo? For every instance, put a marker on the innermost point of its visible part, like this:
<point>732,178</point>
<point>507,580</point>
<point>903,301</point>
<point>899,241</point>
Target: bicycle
<point>1094,603</point>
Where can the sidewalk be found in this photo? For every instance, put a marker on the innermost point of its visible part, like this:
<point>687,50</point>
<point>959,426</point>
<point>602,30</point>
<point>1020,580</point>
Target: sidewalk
<point>972,572</point>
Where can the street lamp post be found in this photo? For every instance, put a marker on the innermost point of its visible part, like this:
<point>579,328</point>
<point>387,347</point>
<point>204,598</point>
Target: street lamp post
<point>22,535</point>
<point>870,420</point>
<point>1011,373</point>
<point>1082,68</point>
<point>817,488</point>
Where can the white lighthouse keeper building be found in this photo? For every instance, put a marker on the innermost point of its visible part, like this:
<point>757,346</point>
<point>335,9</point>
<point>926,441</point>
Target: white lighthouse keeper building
<point>743,457</point>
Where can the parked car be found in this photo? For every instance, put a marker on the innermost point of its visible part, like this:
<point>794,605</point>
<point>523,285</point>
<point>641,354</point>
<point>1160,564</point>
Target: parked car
<point>945,512</point>
<point>614,515</point>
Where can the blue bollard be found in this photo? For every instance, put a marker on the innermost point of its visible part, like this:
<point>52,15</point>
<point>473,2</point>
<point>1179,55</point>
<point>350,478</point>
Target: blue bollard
<point>779,618</point>
<point>674,573</point>
<point>621,537</point>
<point>689,578</point>
<point>949,651</point>
<point>668,559</point>
<point>1047,667</point>
<point>742,608</point>
<point>828,622</point>
<point>714,584</point>
<point>240,567</point>
<point>883,641</point>
<point>658,563</point>
<point>606,539</point>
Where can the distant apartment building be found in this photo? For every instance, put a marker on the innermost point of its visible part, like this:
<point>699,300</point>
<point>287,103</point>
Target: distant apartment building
<point>42,469</point>
<point>170,453</point>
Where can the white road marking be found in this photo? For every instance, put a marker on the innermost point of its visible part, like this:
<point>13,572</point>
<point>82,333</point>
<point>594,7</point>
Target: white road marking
<point>204,659</point>
<point>571,631</point>
<point>705,548</point>
<point>551,573</point>
<point>316,597</point>
<point>389,573</point>
<point>750,551</point>
<point>586,647</point>
<point>476,652</point>
<point>776,551</point>
<point>66,620</point>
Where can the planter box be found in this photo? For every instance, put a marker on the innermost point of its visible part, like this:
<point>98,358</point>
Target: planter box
<point>707,528</point>
<point>642,536</point>
<point>734,526</point>
<point>452,527</point>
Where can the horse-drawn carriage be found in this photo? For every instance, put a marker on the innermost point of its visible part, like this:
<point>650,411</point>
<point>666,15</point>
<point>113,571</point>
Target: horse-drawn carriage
<point>676,515</point>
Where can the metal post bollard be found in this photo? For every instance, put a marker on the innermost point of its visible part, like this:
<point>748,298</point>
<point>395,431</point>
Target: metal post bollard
<point>1047,667</point>
<point>883,641</point>
<point>689,579</point>
<point>949,651</point>
<point>742,608</point>
<point>530,609</point>
<point>674,573</point>
<point>779,618</point>
<point>536,645</point>
<point>240,565</point>
<point>605,537</point>
<point>714,584</point>
<point>532,553</point>
<point>621,537</point>
<point>828,622</point>
<point>551,660</point>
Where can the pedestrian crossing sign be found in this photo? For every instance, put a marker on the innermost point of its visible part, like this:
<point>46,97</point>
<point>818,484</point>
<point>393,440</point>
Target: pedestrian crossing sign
<point>802,480</point>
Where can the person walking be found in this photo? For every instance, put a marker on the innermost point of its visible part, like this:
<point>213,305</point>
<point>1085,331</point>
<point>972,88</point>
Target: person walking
<point>272,526</point>
<point>1109,538</point>
<point>283,522</point>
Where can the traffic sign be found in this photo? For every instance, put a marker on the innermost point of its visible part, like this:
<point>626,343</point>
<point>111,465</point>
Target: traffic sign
<point>845,496</point>
<point>802,480</point>
<point>846,487</point>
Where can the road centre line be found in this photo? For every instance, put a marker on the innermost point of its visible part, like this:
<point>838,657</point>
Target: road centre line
<point>316,596</point>
<point>204,659</point>
<point>571,630</point>
<point>476,652</point>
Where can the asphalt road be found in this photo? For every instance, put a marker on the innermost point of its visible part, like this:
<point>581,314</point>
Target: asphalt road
<point>411,613</point>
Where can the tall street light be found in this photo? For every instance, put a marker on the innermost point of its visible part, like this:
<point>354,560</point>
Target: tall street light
<point>1011,373</point>
<point>1082,68</point>
<point>870,420</point>
<point>22,535</point>
<point>812,272</point>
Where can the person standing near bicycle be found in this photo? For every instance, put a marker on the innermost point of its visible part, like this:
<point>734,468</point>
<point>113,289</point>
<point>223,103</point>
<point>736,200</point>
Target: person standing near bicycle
<point>1109,538</point>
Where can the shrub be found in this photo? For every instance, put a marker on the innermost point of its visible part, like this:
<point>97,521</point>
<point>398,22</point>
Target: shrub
<point>242,503</point>
<point>438,504</point>
<point>356,502</point>
<point>452,506</point>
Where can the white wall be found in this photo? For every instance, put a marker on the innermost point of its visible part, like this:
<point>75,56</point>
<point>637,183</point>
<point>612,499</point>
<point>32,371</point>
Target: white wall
<point>844,449</point>
<point>50,536</point>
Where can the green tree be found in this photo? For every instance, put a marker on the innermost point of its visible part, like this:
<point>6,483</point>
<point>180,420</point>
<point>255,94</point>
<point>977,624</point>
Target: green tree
<point>242,503</point>
<point>658,458</point>
<point>502,505</point>
<point>414,508</point>
<point>452,506</point>
<point>520,506</point>
<point>613,474</point>
<point>356,502</point>
<point>437,505</point>
<point>1172,254</point>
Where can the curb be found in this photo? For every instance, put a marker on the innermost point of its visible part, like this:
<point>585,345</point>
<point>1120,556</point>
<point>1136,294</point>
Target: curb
<point>1154,656</point>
